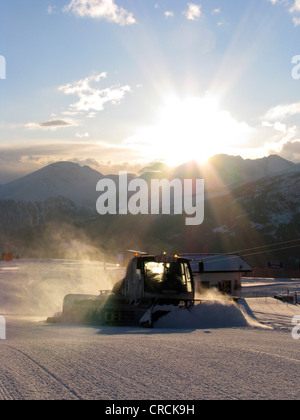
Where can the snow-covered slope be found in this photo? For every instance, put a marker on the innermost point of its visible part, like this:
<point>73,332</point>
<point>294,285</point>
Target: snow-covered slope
<point>62,179</point>
<point>212,352</point>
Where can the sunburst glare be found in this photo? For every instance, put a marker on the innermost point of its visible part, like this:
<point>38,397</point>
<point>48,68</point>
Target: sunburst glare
<point>194,128</point>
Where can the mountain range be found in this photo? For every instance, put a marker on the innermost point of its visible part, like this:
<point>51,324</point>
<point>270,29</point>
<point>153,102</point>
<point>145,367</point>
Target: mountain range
<point>78,183</point>
<point>248,204</point>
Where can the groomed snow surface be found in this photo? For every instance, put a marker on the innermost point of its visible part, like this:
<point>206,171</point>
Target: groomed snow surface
<point>216,350</point>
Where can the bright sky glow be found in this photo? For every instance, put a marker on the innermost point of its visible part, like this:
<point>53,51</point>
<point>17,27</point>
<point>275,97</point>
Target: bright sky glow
<point>118,84</point>
<point>191,127</point>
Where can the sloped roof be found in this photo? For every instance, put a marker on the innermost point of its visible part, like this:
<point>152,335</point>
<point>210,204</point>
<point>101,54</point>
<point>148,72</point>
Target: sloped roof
<point>217,263</point>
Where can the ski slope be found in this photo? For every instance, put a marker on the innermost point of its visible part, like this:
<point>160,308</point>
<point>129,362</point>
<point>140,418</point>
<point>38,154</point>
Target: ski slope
<point>215,351</point>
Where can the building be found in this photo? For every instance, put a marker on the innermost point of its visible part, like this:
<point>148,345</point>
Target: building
<point>221,271</point>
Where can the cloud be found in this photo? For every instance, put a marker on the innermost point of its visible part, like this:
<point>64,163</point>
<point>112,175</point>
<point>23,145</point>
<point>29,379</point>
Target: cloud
<point>91,97</point>
<point>288,149</point>
<point>296,21</point>
<point>51,124</point>
<point>51,10</point>
<point>291,150</point>
<point>168,14</point>
<point>55,123</point>
<point>101,9</point>
<point>280,112</point>
<point>83,135</point>
<point>293,9</point>
<point>278,126</point>
<point>193,12</point>
<point>19,160</point>
<point>282,129</point>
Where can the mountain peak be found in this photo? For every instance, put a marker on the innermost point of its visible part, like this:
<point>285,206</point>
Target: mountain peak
<point>67,179</point>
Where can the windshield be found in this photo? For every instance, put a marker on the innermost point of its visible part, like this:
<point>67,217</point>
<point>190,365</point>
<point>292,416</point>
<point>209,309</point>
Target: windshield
<point>170,276</point>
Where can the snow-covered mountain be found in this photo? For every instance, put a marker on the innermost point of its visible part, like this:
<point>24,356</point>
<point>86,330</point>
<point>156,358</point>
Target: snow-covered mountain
<point>78,183</point>
<point>62,191</point>
<point>224,170</point>
<point>253,196</point>
<point>62,179</point>
<point>253,168</point>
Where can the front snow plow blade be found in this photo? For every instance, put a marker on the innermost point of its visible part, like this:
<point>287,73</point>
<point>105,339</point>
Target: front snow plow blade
<point>161,307</point>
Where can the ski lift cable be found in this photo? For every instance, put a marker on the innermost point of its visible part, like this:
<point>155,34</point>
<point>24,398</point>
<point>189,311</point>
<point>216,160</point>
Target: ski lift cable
<point>271,250</point>
<point>265,246</point>
<point>240,253</point>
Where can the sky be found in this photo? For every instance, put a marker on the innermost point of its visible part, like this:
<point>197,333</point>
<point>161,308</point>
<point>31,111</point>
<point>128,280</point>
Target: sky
<point>119,84</point>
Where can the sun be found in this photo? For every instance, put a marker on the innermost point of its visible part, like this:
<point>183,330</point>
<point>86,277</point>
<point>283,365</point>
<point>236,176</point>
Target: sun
<point>193,128</point>
<point>186,127</point>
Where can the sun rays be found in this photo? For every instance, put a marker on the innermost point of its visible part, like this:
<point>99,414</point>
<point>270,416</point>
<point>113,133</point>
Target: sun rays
<point>194,128</point>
